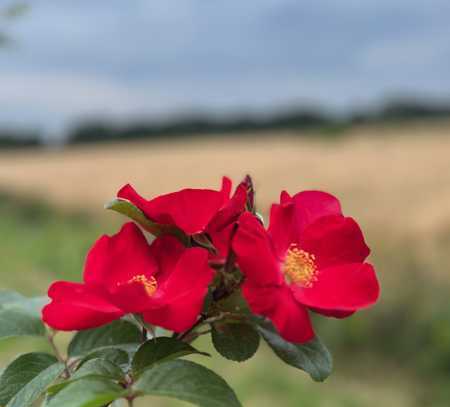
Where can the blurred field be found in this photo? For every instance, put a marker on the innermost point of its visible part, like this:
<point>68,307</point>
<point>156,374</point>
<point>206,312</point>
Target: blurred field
<point>394,180</point>
<point>396,175</point>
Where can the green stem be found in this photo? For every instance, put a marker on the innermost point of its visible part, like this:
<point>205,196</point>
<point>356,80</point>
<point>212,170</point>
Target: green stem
<point>195,326</point>
<point>51,340</point>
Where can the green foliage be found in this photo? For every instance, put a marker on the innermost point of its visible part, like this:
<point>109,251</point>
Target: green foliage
<point>131,211</point>
<point>99,367</point>
<point>15,322</point>
<point>8,297</point>
<point>35,388</point>
<point>93,368</point>
<point>20,316</point>
<point>186,381</point>
<point>42,245</point>
<point>88,392</point>
<point>22,371</point>
<point>116,356</point>
<point>116,334</point>
<point>312,357</point>
<point>235,341</point>
<point>160,350</point>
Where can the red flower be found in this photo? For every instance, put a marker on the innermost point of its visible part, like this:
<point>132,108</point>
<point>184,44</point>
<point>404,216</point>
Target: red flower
<point>188,209</point>
<point>196,211</point>
<point>311,258</point>
<point>165,282</point>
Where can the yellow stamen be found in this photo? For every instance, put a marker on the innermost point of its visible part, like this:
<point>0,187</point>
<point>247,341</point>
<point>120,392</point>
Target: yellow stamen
<point>150,284</point>
<point>300,267</point>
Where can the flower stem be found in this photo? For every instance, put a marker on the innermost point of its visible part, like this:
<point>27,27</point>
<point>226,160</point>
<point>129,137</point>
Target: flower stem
<point>195,326</point>
<point>51,339</point>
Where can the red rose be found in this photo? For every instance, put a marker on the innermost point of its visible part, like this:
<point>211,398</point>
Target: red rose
<point>310,258</point>
<point>164,281</point>
<point>196,211</point>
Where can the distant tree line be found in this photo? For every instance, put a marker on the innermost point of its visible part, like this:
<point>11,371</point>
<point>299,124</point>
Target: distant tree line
<point>103,130</point>
<point>301,119</point>
<point>20,138</point>
<point>99,130</point>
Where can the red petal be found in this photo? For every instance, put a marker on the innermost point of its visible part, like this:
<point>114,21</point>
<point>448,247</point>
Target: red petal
<point>82,295</point>
<point>221,240</point>
<point>67,317</point>
<point>77,306</point>
<point>285,197</point>
<point>312,205</point>
<point>221,226</point>
<point>254,252</point>
<point>282,228</point>
<point>333,313</point>
<point>278,304</point>
<point>115,260</point>
<point>226,189</point>
<point>347,287</point>
<point>180,314</point>
<point>166,250</point>
<point>231,211</point>
<point>189,209</point>
<point>334,240</point>
<point>190,273</point>
<point>129,193</point>
<point>115,263</point>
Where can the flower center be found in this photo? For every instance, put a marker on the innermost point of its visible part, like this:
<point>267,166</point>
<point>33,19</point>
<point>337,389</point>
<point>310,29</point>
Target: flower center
<point>150,284</point>
<point>299,267</point>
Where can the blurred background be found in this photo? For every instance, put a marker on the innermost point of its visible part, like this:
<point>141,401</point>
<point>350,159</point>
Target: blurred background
<point>346,96</point>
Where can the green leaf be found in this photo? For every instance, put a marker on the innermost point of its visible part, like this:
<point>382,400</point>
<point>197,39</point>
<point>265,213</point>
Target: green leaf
<point>12,299</point>
<point>99,367</point>
<point>312,357</point>
<point>92,368</point>
<point>117,356</point>
<point>89,392</point>
<point>160,350</point>
<point>15,322</point>
<point>235,341</point>
<point>20,316</point>
<point>204,241</point>
<point>33,305</point>
<point>186,381</point>
<point>126,208</point>
<point>7,297</point>
<point>234,303</point>
<point>21,371</point>
<point>36,387</point>
<point>117,333</point>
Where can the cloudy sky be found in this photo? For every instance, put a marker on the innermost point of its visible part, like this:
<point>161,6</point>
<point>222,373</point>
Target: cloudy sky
<point>125,59</point>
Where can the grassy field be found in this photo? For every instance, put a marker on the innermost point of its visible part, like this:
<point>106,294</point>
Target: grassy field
<point>395,182</point>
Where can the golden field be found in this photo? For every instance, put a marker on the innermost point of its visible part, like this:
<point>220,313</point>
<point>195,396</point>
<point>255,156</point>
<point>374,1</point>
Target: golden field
<point>393,179</point>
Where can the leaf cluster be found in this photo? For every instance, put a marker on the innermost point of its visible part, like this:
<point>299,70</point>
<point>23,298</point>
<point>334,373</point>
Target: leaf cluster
<point>123,361</point>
